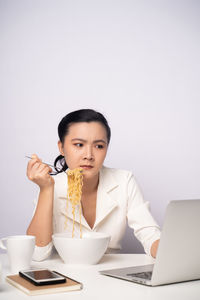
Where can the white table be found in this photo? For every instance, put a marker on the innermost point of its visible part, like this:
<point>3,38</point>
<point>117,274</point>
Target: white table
<point>96,286</point>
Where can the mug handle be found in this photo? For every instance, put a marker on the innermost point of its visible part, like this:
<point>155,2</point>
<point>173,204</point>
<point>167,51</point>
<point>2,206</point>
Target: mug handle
<point>2,246</point>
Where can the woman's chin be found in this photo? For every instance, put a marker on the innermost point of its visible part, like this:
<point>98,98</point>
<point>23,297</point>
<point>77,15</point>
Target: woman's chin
<point>89,174</point>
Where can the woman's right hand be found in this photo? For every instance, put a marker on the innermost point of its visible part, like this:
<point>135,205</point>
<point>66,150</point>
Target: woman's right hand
<point>38,172</point>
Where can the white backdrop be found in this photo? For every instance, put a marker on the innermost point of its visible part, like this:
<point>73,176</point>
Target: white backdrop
<point>137,62</point>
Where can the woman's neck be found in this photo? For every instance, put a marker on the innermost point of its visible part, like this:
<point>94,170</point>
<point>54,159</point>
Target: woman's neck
<point>90,185</point>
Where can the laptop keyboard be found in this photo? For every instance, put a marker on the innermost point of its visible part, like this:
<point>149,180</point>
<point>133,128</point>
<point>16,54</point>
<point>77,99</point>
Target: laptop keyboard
<point>143,275</point>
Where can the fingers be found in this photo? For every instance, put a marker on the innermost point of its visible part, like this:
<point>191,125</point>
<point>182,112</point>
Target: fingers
<point>45,173</point>
<point>38,172</point>
<point>36,168</point>
<point>34,156</point>
<point>43,169</point>
<point>35,159</point>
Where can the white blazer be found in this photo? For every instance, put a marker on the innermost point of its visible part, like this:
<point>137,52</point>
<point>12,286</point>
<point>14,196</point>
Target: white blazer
<point>118,200</point>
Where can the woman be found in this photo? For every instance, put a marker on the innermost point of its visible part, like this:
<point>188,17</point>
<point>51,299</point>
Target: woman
<point>110,197</point>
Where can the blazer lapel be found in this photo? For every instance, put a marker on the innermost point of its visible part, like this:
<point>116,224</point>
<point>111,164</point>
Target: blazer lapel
<point>105,202</point>
<point>66,209</point>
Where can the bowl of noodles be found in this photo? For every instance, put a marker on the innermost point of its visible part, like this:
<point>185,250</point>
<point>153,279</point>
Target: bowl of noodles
<point>88,249</point>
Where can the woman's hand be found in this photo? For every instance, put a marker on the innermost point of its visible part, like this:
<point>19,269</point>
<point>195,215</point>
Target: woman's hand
<point>154,248</point>
<point>38,172</point>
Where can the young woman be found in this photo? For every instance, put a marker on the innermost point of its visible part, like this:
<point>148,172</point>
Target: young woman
<point>110,197</point>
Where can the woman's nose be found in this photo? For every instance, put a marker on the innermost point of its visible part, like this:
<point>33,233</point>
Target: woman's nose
<point>89,153</point>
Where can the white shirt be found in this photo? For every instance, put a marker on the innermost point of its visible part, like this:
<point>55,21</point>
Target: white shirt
<point>119,200</point>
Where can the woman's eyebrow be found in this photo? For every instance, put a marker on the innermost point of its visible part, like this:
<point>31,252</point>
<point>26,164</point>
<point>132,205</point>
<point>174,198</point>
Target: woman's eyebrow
<point>77,139</point>
<point>96,141</point>
<point>100,141</point>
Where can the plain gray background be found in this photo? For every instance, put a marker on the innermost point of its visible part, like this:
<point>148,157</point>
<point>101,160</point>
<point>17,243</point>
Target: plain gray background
<point>137,62</point>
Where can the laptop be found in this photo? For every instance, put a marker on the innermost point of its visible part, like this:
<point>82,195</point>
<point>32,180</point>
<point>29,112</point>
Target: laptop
<point>178,255</point>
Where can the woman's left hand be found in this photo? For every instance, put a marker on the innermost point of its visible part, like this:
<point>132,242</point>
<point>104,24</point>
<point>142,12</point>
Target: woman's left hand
<point>154,248</point>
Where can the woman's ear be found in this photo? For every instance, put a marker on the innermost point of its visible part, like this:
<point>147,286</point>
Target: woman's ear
<point>60,147</point>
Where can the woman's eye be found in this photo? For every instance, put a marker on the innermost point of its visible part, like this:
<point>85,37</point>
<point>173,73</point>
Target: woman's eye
<point>99,146</point>
<point>78,144</point>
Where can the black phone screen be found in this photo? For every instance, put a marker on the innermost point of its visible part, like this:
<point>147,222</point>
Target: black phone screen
<point>42,274</point>
<point>42,277</point>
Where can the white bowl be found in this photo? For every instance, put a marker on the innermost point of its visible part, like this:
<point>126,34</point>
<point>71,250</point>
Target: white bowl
<point>86,250</point>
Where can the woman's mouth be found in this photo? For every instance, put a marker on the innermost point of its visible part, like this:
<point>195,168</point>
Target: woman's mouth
<point>86,167</point>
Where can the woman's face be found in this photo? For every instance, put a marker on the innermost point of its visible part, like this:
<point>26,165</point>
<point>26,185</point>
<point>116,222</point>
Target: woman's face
<point>85,146</point>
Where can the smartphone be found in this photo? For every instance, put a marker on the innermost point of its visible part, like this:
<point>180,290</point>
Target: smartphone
<point>42,276</point>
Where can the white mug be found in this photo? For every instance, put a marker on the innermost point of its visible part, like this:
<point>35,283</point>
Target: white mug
<point>20,250</point>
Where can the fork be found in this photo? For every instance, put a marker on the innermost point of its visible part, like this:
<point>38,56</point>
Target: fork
<point>45,164</point>
<point>42,162</point>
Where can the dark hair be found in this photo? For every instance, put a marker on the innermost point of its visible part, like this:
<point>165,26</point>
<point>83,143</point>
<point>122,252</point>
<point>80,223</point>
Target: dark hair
<point>82,115</point>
